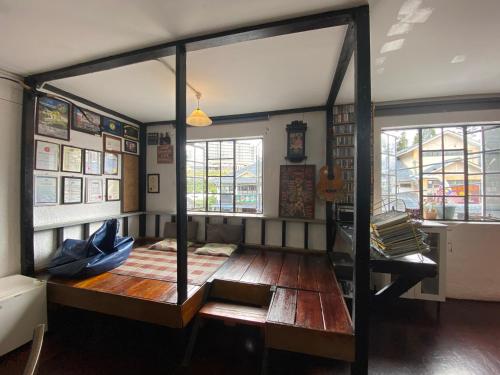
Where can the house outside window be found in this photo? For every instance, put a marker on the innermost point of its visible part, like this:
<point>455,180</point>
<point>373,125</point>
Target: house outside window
<point>443,173</point>
<point>224,175</point>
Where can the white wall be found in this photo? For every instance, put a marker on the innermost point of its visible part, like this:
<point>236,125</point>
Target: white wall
<point>10,166</point>
<point>473,256</point>
<point>274,150</point>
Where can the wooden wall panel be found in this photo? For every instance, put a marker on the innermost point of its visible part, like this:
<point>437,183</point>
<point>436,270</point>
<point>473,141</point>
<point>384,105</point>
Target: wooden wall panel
<point>130,183</point>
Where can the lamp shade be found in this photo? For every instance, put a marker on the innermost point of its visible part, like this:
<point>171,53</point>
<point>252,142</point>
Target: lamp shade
<point>198,118</point>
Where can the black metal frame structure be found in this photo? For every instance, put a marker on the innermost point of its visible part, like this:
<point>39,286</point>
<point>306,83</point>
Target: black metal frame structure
<point>357,42</point>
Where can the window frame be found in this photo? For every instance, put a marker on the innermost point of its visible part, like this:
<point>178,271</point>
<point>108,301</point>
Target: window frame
<point>481,154</point>
<point>221,159</point>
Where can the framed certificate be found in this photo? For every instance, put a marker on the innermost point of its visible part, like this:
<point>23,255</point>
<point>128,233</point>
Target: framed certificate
<point>93,162</point>
<point>130,146</point>
<point>47,156</point>
<point>93,190</point>
<point>72,190</point>
<point>153,183</point>
<point>110,163</point>
<point>71,159</point>
<point>112,144</point>
<point>45,190</point>
<point>112,189</point>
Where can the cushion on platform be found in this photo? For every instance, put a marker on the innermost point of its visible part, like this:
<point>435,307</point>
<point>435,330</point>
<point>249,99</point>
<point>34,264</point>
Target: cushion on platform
<point>219,249</point>
<point>168,244</point>
<point>171,230</point>
<point>224,233</point>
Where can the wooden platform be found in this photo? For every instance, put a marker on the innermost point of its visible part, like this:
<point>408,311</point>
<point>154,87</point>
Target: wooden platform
<point>148,300</point>
<point>306,309</point>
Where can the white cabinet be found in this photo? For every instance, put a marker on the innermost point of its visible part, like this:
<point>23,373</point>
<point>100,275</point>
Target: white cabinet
<point>433,289</point>
<point>23,305</point>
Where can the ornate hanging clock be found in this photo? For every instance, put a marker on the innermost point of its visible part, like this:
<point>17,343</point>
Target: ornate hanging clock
<point>296,141</point>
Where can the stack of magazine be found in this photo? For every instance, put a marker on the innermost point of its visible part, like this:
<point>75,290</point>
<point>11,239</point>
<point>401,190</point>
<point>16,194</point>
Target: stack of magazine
<point>395,234</point>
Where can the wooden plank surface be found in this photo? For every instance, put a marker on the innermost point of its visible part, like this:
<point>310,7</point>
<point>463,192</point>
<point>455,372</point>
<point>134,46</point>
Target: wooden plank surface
<point>324,274</point>
<point>307,275</point>
<point>272,270</point>
<point>290,271</point>
<point>309,313</point>
<point>254,271</point>
<point>283,306</point>
<point>335,315</point>
<point>236,266</point>
<point>229,312</point>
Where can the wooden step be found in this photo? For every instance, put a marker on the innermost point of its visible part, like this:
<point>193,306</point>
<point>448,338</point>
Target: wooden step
<point>233,313</point>
<point>310,322</point>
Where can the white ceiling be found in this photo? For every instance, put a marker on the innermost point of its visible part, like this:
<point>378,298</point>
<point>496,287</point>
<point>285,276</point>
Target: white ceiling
<point>283,72</point>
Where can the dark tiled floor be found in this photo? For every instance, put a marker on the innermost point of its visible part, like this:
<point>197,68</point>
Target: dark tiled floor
<point>406,339</point>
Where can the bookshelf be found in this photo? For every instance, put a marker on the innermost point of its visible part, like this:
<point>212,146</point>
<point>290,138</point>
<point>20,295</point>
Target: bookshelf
<point>343,147</point>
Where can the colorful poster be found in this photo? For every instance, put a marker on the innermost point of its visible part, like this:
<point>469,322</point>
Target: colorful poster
<point>52,118</point>
<point>297,191</point>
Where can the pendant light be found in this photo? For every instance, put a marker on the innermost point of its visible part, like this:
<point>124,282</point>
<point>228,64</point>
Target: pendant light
<point>198,117</point>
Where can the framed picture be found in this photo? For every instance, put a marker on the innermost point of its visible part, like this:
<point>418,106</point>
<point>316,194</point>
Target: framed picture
<point>72,190</point>
<point>112,126</point>
<point>47,156</point>
<point>153,183</point>
<point>165,154</point>
<point>86,121</point>
<point>165,138</point>
<point>112,144</point>
<point>112,189</point>
<point>92,162</point>
<point>152,139</point>
<point>131,132</point>
<point>297,191</point>
<point>110,163</point>
<point>45,190</point>
<point>71,160</point>
<point>296,141</point>
<point>130,146</point>
<point>52,118</point>
<point>93,190</point>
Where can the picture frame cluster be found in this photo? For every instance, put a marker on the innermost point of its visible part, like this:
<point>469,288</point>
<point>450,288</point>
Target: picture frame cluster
<point>79,169</point>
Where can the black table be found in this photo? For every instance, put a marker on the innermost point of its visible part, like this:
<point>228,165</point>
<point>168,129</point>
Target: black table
<point>409,269</point>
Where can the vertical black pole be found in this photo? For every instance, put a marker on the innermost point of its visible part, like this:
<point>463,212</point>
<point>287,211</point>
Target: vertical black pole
<point>157,226</point>
<point>180,169</point>
<point>362,192</point>
<point>125,227</point>
<point>329,163</point>
<point>27,151</point>
<point>143,148</point>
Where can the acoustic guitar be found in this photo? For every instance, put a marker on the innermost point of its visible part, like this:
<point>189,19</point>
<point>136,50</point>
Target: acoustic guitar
<point>330,189</point>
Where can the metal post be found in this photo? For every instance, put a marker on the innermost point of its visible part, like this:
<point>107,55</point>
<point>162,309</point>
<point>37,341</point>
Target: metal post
<point>329,163</point>
<point>27,151</point>
<point>362,195</point>
<point>180,168</point>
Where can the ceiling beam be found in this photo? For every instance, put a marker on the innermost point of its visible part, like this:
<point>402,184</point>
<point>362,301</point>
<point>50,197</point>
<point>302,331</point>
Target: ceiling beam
<point>342,65</point>
<point>260,31</point>
<point>89,103</point>
<point>247,117</point>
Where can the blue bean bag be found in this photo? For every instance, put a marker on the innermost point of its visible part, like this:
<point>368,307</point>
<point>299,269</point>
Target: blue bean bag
<point>103,251</point>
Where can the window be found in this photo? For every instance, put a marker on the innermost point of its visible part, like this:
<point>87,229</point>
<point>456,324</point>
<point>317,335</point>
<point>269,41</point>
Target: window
<point>224,175</point>
<point>443,173</point>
